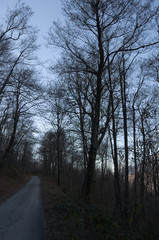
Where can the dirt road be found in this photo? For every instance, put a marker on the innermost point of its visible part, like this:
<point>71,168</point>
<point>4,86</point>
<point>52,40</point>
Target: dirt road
<point>21,216</point>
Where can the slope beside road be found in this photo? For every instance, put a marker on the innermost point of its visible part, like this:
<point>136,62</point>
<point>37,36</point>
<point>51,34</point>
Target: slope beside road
<point>21,216</point>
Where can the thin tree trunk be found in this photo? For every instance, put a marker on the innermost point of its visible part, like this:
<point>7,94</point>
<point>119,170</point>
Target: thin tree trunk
<point>84,143</point>
<point>115,151</point>
<point>12,139</point>
<point>124,109</point>
<point>135,157</point>
<point>143,167</point>
<point>58,151</point>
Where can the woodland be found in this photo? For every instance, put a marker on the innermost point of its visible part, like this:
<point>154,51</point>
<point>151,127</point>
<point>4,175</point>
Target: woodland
<point>100,106</point>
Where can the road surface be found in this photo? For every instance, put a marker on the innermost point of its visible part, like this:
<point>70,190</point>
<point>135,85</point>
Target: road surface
<point>21,216</point>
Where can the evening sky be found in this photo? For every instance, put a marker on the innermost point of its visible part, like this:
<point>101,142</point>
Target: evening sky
<point>45,12</point>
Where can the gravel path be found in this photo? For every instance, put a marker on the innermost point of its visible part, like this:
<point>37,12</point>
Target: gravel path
<point>21,216</point>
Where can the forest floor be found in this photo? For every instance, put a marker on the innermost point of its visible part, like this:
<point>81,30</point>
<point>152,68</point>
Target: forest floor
<point>70,219</point>
<point>11,181</point>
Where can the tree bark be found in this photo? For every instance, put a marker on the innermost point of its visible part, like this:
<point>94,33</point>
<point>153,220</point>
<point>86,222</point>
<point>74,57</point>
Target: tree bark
<point>115,152</point>
<point>135,158</point>
<point>124,110</point>
<point>95,116</point>
<point>143,166</point>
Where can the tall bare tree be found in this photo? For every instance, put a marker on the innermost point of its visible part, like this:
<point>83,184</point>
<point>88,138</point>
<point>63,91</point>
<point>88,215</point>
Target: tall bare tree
<point>97,31</point>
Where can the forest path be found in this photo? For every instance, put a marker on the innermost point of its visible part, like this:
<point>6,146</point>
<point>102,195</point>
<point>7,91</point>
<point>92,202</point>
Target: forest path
<point>21,216</point>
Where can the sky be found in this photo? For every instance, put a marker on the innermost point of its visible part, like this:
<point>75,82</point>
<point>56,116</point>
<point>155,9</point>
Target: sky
<point>45,12</point>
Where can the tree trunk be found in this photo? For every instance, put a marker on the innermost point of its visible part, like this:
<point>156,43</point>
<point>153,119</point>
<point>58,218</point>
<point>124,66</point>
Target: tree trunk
<point>115,152</point>
<point>124,109</point>
<point>143,167</point>
<point>12,139</point>
<point>95,116</point>
<point>135,157</point>
<point>58,151</point>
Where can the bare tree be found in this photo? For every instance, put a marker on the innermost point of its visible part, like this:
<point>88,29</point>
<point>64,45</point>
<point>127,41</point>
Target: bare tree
<point>97,31</point>
<point>17,43</point>
<point>18,87</point>
<point>23,97</point>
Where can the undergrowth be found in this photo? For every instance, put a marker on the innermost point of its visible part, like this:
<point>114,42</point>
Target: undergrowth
<point>71,219</point>
<point>87,222</point>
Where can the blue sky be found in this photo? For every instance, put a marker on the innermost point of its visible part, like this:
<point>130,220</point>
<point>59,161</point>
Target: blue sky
<point>45,12</point>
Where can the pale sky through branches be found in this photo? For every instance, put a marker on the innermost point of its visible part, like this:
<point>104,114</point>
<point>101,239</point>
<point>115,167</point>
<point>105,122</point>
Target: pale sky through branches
<point>45,12</point>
